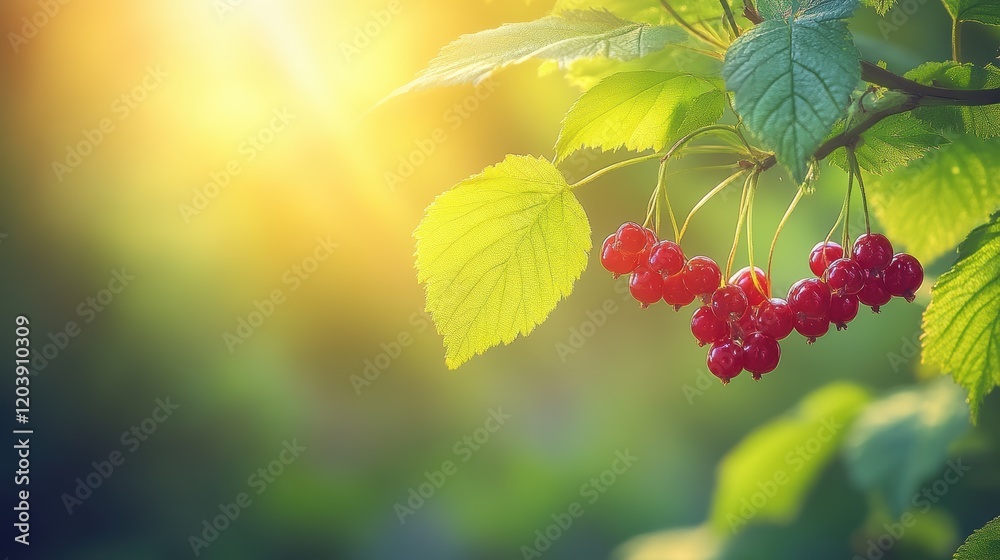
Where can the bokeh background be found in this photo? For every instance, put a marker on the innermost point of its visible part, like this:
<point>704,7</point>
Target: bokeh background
<point>201,79</point>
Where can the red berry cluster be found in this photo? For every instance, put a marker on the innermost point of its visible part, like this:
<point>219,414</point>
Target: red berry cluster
<point>740,320</point>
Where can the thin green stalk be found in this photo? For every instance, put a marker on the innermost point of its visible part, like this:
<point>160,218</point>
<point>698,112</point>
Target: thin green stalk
<point>845,208</point>
<point>613,167</point>
<point>744,200</point>
<point>730,18</point>
<point>666,199</point>
<point>781,225</point>
<point>956,41</point>
<point>690,28</point>
<point>725,183</point>
<point>694,134</point>
<point>853,160</point>
<point>753,276</point>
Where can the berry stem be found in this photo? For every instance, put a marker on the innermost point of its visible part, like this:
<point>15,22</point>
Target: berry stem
<point>861,186</point>
<point>613,167</point>
<point>696,133</point>
<point>845,212</point>
<point>781,225</point>
<point>666,199</point>
<point>745,198</point>
<point>956,41</point>
<point>725,183</point>
<point>753,274</point>
<point>690,28</point>
<point>730,18</point>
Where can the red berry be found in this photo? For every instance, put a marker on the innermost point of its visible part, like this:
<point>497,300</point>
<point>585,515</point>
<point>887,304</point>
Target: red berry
<point>761,354</point>
<point>744,326</point>
<point>614,260</point>
<point>809,297</point>
<point>774,318</point>
<point>646,286</point>
<point>647,248</point>
<point>675,292</point>
<point>844,277</point>
<point>843,310</point>
<point>903,276</point>
<point>666,257</point>
<point>744,279</point>
<point>725,359</point>
<point>729,303</point>
<point>811,327</point>
<point>874,294</point>
<point>631,238</point>
<point>706,327</point>
<point>702,276</point>
<point>822,254</point>
<point>872,251</point>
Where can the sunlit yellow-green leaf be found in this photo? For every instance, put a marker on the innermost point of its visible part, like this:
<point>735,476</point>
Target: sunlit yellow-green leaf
<point>892,143</point>
<point>982,121</point>
<point>931,204</point>
<point>640,110</point>
<point>497,252</point>
<point>982,544</point>
<point>962,323</point>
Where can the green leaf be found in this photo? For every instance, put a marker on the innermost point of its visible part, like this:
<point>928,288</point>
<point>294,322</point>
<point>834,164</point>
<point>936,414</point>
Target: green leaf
<point>982,544</point>
<point>782,459</point>
<point>640,110</point>
<point>900,441</point>
<point>793,78</point>
<point>497,252</point>
<point>933,202</point>
<point>881,6</point>
<point>962,323</point>
<point>652,11</point>
<point>983,121</point>
<point>983,11</point>
<point>563,38</point>
<point>892,143</point>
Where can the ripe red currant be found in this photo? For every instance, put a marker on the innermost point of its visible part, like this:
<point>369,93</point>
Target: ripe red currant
<point>614,260</point>
<point>666,257</point>
<point>631,238</point>
<point>744,279</point>
<point>646,286</point>
<point>843,310</point>
<point>809,297</point>
<point>872,251</point>
<point>725,359</point>
<point>903,276</point>
<point>729,303</point>
<point>844,277</point>
<point>822,254</point>
<point>643,257</point>
<point>874,294</point>
<point>811,327</point>
<point>706,327</point>
<point>774,318</point>
<point>761,354</point>
<point>702,276</point>
<point>675,292</point>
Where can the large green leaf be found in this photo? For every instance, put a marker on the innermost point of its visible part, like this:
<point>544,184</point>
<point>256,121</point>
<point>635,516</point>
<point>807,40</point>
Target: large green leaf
<point>982,121</point>
<point>982,544</point>
<point>932,203</point>
<point>767,475</point>
<point>498,251</point>
<point>962,323</point>
<point>793,76</point>
<point>900,441</point>
<point>881,6</point>
<point>652,11</point>
<point>562,38</point>
<point>892,143</point>
<point>983,11</point>
<point>640,110</point>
